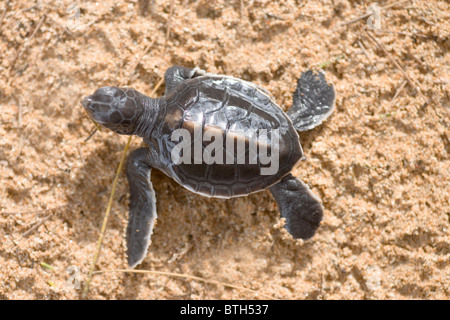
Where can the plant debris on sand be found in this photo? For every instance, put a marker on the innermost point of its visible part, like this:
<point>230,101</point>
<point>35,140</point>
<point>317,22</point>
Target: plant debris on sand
<point>380,163</point>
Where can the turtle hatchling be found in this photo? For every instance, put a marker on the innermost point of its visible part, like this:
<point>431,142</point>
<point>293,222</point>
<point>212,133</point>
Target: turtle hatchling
<point>217,136</point>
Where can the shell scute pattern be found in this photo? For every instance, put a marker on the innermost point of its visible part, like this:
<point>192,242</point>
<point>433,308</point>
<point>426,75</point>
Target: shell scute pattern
<point>188,98</point>
<point>231,106</point>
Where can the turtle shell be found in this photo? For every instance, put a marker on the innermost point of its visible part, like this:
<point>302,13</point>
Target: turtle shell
<point>234,112</point>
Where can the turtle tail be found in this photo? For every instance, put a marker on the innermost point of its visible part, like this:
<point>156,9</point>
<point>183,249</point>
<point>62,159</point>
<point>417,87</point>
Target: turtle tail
<point>313,101</point>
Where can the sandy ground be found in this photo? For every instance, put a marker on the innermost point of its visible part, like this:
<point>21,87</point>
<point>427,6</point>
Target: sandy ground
<point>380,163</point>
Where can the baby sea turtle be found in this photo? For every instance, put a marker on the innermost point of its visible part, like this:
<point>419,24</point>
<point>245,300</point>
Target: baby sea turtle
<point>209,133</point>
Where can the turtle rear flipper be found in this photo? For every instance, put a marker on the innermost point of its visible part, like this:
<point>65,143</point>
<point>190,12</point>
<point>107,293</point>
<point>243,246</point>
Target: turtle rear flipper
<point>299,206</point>
<point>142,206</point>
<point>313,101</point>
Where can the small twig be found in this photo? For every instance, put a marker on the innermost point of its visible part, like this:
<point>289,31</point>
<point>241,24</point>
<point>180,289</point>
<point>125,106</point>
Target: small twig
<point>152,93</point>
<point>25,45</point>
<point>63,28</point>
<point>371,13</point>
<point>418,61</point>
<point>80,153</point>
<point>38,26</point>
<point>133,68</point>
<point>411,82</point>
<point>97,127</point>
<point>363,49</point>
<point>35,211</point>
<point>177,256</point>
<point>90,135</point>
<point>186,276</point>
<point>273,16</point>
<point>169,25</point>
<point>20,146</point>
<point>397,92</point>
<point>29,8</point>
<point>408,34</point>
<point>37,225</point>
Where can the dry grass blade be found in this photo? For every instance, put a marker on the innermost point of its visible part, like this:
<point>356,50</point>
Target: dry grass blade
<point>133,68</point>
<point>190,277</point>
<point>400,88</point>
<point>33,211</point>
<point>156,87</point>
<point>105,219</point>
<point>90,134</point>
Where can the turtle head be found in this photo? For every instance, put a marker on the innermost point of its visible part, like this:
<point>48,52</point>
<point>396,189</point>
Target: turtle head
<point>115,108</point>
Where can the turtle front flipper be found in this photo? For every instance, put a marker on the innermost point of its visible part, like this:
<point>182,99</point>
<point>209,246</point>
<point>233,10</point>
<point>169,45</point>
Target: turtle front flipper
<point>177,74</point>
<point>298,205</point>
<point>313,101</point>
<point>142,206</point>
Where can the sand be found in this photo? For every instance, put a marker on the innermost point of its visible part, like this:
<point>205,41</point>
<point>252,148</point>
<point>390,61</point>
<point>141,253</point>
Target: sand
<point>380,163</point>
